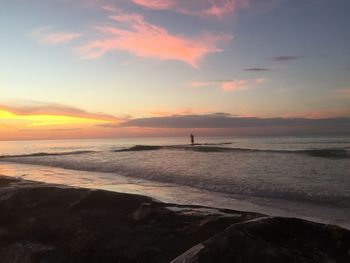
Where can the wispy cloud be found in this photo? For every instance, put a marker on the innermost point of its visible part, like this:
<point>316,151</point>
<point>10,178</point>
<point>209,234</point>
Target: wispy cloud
<point>133,34</point>
<point>209,8</point>
<point>285,58</point>
<point>344,92</point>
<point>320,113</point>
<point>110,8</point>
<point>47,35</point>
<point>156,4</point>
<point>230,85</point>
<point>257,69</point>
<point>163,111</point>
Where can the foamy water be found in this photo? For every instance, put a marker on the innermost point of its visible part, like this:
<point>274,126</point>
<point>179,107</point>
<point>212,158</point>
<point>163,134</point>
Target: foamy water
<point>303,176</point>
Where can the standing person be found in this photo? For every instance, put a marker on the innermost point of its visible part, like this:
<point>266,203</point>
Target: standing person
<point>192,138</point>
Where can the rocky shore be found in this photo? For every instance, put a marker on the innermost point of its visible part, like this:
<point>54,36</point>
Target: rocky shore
<point>42,223</point>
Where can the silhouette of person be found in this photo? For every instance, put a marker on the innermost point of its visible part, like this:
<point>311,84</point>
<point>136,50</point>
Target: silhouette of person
<point>192,138</point>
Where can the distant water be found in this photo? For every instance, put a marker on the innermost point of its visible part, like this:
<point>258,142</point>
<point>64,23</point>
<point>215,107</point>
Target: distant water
<point>301,176</point>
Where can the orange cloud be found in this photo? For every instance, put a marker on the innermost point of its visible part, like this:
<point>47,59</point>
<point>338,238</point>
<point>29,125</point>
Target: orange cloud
<point>231,85</point>
<point>47,36</point>
<point>38,108</point>
<point>32,120</point>
<point>51,121</point>
<point>214,8</point>
<point>133,34</point>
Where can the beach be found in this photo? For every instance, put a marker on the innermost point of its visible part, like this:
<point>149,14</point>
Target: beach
<point>294,176</point>
<point>55,223</point>
<point>231,199</point>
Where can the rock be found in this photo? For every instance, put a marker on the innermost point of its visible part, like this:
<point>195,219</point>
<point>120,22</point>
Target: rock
<point>82,225</point>
<point>43,223</point>
<point>273,240</point>
<point>22,252</point>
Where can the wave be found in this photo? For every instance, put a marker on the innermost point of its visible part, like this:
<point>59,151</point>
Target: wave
<point>138,148</point>
<point>217,176</point>
<point>336,153</point>
<point>241,188</point>
<point>43,154</point>
<point>325,153</point>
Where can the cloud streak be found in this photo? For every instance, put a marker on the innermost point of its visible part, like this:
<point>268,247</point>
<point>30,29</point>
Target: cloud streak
<point>46,35</point>
<point>223,123</point>
<point>202,8</point>
<point>224,120</point>
<point>257,69</point>
<point>344,92</point>
<point>230,85</point>
<point>134,35</point>
<point>285,58</point>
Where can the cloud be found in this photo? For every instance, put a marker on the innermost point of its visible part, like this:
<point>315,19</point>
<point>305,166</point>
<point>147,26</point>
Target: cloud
<point>231,85</point>
<point>165,111</point>
<point>257,69</point>
<point>65,130</point>
<point>203,8</point>
<point>39,108</point>
<point>224,123</point>
<point>46,35</point>
<point>133,34</point>
<point>344,92</point>
<point>319,113</point>
<point>156,4</point>
<point>110,8</point>
<point>220,120</point>
<point>285,58</point>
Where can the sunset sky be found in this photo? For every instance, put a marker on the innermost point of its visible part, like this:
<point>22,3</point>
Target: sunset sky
<point>104,68</point>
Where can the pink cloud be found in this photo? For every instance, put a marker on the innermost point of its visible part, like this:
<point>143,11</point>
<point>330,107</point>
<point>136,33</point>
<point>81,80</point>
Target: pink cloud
<point>216,8</point>
<point>231,85</point>
<point>235,85</point>
<point>133,34</point>
<point>344,92</point>
<point>47,36</point>
<point>156,4</point>
<point>110,8</point>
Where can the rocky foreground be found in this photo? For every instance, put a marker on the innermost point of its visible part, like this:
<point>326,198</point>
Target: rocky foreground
<point>41,223</point>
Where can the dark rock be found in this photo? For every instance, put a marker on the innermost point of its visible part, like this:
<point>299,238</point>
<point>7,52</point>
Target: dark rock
<point>42,223</point>
<point>273,240</point>
<point>82,225</point>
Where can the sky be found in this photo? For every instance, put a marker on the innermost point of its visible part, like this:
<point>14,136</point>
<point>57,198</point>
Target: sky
<point>109,68</point>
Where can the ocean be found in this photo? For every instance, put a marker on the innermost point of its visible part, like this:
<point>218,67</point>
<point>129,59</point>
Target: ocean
<point>294,176</point>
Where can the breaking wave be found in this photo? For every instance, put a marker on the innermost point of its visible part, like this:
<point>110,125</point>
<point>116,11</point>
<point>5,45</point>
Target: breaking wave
<point>235,171</point>
<point>325,153</point>
<point>337,153</point>
<point>43,154</point>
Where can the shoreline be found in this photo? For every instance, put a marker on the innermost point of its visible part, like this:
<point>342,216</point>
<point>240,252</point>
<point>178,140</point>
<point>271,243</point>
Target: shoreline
<point>172,193</point>
<point>54,223</point>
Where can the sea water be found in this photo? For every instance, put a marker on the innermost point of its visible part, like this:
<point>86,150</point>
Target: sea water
<point>302,176</point>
